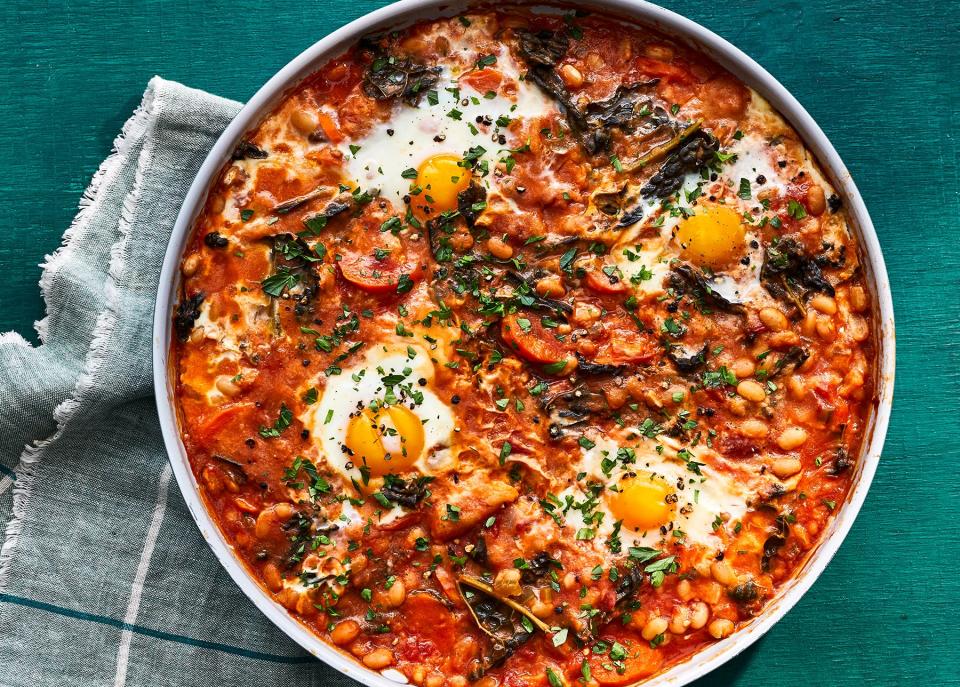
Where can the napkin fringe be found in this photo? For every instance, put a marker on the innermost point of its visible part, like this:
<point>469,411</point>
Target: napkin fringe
<point>89,204</point>
<point>14,339</point>
<point>135,128</point>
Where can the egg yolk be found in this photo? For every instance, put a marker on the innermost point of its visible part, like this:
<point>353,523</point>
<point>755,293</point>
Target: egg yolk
<point>390,440</point>
<point>642,502</point>
<point>441,178</point>
<point>713,237</point>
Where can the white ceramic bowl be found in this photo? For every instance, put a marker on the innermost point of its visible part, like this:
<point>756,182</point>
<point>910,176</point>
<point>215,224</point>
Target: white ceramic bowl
<point>725,54</point>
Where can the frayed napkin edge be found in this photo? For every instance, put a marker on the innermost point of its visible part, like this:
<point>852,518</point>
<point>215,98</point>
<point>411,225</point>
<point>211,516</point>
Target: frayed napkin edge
<point>136,127</point>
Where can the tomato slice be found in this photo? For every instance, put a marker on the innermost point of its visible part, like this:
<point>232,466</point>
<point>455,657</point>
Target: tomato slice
<point>626,351</point>
<point>525,334</point>
<point>623,343</point>
<point>435,628</point>
<point>662,70</point>
<point>378,263</point>
<point>640,661</point>
<point>213,426</point>
<point>597,281</point>
<point>374,276</point>
<point>483,80</point>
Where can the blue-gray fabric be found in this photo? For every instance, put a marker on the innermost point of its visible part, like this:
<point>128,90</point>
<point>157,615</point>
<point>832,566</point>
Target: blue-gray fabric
<point>104,577</point>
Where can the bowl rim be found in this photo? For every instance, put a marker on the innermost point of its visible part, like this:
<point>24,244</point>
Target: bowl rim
<point>640,11</point>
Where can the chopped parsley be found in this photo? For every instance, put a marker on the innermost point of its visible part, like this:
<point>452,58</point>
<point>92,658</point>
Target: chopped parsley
<point>283,421</point>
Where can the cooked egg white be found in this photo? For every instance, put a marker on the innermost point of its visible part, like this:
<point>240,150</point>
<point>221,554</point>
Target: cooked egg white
<point>646,264</point>
<point>708,225</point>
<point>381,417</point>
<point>653,496</point>
<point>432,138</point>
<point>755,161</point>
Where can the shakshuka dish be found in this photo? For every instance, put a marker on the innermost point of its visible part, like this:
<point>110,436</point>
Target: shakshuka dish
<point>523,349</point>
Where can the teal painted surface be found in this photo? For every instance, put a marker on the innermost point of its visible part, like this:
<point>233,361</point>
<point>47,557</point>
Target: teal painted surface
<point>881,78</point>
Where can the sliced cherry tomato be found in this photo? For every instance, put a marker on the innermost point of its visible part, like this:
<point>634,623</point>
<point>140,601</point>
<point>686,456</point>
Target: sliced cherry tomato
<point>377,263</point>
<point>434,626</point>
<point>627,351</point>
<point>623,343</point>
<point>210,428</point>
<point>639,662</point>
<point>598,281</point>
<point>525,334</point>
<point>374,276</point>
<point>483,80</point>
<point>724,97</point>
<point>662,70</point>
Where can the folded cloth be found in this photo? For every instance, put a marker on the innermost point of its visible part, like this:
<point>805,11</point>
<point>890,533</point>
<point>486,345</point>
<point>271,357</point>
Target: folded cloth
<point>104,577</point>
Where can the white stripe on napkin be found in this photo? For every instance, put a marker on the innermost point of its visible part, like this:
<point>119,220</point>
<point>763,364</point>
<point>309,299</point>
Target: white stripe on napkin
<point>136,592</point>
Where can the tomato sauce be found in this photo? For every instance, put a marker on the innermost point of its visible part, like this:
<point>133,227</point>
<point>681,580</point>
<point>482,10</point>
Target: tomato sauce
<point>523,422</point>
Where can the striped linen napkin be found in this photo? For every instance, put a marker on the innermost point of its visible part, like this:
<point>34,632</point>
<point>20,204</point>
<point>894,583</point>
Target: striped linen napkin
<point>104,577</point>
